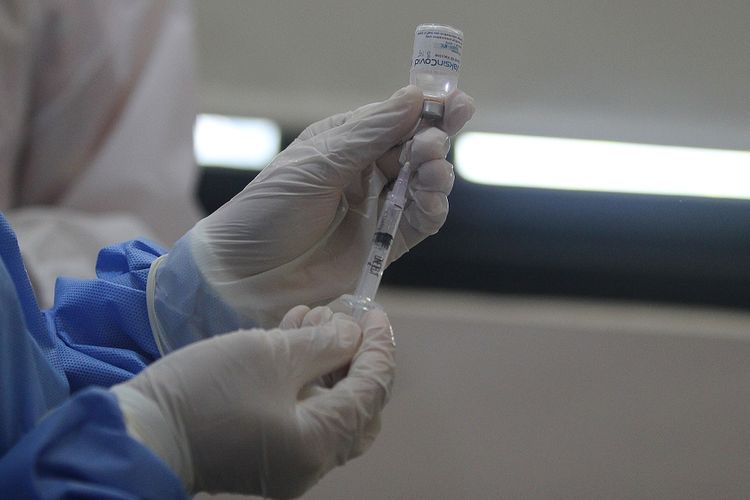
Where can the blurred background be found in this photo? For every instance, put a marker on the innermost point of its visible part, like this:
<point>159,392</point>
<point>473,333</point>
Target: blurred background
<point>669,72</point>
<point>553,343</point>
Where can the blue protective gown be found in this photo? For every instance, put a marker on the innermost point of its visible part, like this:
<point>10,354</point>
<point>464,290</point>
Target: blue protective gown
<point>61,432</point>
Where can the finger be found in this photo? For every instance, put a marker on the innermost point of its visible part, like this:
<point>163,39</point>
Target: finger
<point>429,144</point>
<point>418,223</point>
<point>322,126</point>
<point>318,350</point>
<point>369,132</point>
<point>427,211</point>
<point>333,378</point>
<point>424,215</point>
<point>377,345</point>
<point>433,176</point>
<point>293,319</point>
<point>369,433</point>
<point>317,316</point>
<point>312,389</point>
<point>347,411</point>
<point>390,163</point>
<point>459,108</point>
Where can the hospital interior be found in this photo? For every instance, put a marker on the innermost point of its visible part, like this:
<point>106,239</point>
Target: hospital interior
<point>579,328</point>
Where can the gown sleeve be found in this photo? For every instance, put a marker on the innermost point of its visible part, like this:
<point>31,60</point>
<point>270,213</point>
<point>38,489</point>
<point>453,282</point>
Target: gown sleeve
<point>97,332</point>
<point>82,450</point>
<point>53,445</point>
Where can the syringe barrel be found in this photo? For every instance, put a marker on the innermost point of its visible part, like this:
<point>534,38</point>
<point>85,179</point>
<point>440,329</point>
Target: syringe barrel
<point>380,249</point>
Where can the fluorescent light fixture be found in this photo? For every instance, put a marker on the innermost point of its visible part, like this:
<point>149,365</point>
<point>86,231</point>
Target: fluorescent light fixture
<point>584,165</point>
<point>237,142</point>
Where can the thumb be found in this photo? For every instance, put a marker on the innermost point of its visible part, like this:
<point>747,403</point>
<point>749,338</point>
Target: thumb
<point>369,132</point>
<point>319,350</point>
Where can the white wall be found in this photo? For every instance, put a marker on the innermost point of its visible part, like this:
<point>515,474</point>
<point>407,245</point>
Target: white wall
<point>666,71</point>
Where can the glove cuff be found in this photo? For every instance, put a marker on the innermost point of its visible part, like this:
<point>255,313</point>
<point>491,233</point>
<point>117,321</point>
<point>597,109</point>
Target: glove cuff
<point>156,328</point>
<point>182,306</point>
<point>146,424</point>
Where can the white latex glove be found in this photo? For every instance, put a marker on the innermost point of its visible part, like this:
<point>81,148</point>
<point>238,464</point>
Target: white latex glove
<point>241,412</point>
<point>301,231</point>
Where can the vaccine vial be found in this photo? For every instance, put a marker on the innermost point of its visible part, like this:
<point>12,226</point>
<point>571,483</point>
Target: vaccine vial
<point>435,64</point>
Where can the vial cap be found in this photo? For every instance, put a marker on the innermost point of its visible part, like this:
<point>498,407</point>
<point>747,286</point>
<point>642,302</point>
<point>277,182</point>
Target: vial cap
<point>432,109</point>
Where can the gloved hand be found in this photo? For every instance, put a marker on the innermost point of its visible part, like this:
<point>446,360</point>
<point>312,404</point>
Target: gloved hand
<point>300,232</point>
<point>242,412</point>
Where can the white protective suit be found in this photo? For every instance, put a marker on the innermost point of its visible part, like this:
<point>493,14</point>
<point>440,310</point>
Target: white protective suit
<point>96,117</point>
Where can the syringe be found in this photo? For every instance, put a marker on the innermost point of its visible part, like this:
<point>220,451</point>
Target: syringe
<point>369,280</point>
<point>435,64</point>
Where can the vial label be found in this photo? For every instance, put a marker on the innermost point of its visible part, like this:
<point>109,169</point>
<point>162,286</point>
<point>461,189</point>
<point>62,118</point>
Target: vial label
<point>437,51</point>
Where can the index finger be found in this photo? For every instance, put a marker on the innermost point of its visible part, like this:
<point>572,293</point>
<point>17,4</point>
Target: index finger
<point>322,125</point>
<point>459,108</point>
